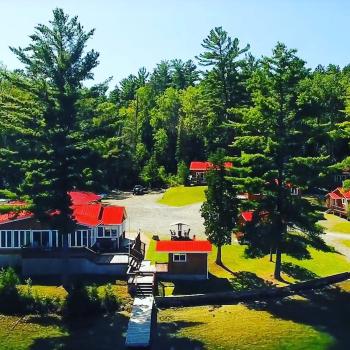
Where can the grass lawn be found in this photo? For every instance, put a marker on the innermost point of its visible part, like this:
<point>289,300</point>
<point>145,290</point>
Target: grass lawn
<point>45,333</point>
<point>243,273</point>
<point>334,223</point>
<point>180,196</point>
<point>316,321</point>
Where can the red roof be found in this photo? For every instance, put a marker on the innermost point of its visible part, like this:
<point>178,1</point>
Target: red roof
<point>184,246</point>
<point>247,215</point>
<point>204,166</point>
<point>85,211</point>
<point>14,216</point>
<point>113,215</point>
<point>81,197</point>
<point>339,193</point>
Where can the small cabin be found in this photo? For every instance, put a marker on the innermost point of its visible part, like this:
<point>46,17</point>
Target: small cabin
<point>338,202</point>
<point>187,257</point>
<point>198,171</point>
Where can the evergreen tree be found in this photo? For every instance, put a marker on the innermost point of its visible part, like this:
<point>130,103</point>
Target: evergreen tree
<point>57,65</point>
<point>220,208</point>
<point>270,139</point>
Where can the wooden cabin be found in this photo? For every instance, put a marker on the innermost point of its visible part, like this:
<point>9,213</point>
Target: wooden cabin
<point>187,257</point>
<point>198,171</point>
<point>338,201</point>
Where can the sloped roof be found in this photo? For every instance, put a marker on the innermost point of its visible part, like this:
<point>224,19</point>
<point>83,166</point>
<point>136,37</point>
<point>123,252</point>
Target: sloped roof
<point>204,166</point>
<point>82,197</point>
<point>247,215</point>
<point>86,211</point>
<point>339,193</point>
<point>184,246</point>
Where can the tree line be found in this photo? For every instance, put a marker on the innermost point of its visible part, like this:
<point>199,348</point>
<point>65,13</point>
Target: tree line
<point>279,121</point>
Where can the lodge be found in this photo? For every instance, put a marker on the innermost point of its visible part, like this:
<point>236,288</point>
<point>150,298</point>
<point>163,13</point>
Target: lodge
<point>198,171</point>
<point>337,202</point>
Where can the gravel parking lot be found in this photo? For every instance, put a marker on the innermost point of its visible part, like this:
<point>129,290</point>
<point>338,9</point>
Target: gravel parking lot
<point>146,214</point>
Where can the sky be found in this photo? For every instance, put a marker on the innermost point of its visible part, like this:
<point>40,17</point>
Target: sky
<point>135,33</point>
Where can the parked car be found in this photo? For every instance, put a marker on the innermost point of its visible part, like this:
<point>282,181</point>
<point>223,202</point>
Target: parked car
<point>138,190</point>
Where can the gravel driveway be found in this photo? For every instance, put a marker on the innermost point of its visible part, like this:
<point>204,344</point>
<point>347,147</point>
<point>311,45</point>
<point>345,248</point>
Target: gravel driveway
<point>151,217</point>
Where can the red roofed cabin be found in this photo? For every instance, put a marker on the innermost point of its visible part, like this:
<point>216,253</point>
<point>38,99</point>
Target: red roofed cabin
<point>187,258</point>
<point>338,201</point>
<point>99,227</point>
<point>199,169</point>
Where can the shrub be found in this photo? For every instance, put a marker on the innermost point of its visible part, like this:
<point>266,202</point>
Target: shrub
<point>182,173</point>
<point>10,301</point>
<point>81,302</point>
<point>109,300</point>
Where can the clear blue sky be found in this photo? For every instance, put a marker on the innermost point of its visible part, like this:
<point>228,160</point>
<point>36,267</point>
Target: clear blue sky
<point>135,33</point>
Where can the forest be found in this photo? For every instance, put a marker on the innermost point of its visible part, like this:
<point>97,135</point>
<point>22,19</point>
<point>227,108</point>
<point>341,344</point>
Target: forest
<point>148,127</point>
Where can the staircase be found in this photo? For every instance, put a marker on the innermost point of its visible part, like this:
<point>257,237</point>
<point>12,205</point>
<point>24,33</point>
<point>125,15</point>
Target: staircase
<point>144,286</point>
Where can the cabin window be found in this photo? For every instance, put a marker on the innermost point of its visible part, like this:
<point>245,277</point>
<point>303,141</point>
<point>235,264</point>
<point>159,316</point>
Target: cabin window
<point>85,242</point>
<point>100,232</point>
<point>3,239</point>
<point>294,191</point>
<point>15,239</point>
<point>343,201</point>
<point>179,258</point>
<point>72,239</point>
<point>54,239</point>
<point>9,239</point>
<point>21,238</point>
<point>107,232</point>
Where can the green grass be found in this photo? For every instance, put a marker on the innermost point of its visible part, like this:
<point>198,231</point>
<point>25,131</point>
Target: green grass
<point>242,273</point>
<point>180,196</point>
<point>235,327</point>
<point>42,333</point>
<point>334,223</point>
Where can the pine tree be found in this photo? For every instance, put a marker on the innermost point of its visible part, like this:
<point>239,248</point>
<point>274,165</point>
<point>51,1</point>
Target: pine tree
<point>56,63</point>
<point>270,139</point>
<point>220,208</point>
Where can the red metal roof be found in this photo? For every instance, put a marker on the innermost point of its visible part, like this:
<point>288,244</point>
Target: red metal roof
<point>81,197</point>
<point>334,196</point>
<point>184,246</point>
<point>113,215</point>
<point>204,166</point>
<point>247,215</point>
<point>339,193</point>
<point>85,211</point>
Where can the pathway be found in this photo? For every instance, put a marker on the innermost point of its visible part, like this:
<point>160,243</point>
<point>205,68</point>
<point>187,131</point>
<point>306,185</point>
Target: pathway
<point>334,239</point>
<point>140,323</point>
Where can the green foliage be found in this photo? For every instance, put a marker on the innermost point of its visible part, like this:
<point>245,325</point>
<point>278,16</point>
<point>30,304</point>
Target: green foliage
<point>183,173</point>
<point>109,300</point>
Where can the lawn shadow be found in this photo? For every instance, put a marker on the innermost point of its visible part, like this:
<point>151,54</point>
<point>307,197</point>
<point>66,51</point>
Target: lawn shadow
<point>245,280</point>
<point>297,272</point>
<point>167,337</point>
<point>105,333</point>
<point>326,310</point>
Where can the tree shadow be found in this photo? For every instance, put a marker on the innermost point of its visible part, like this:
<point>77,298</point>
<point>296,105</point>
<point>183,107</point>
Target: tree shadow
<point>167,337</point>
<point>106,333</point>
<point>245,280</point>
<point>326,310</point>
<point>297,272</point>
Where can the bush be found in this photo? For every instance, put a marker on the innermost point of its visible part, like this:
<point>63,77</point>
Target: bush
<point>109,300</point>
<point>81,302</point>
<point>10,300</point>
<point>182,173</point>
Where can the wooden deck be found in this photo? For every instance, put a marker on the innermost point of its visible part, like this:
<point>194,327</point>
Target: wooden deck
<point>140,323</point>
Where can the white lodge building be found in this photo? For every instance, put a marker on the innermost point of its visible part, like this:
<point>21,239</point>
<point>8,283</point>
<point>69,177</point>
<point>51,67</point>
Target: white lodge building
<point>100,229</point>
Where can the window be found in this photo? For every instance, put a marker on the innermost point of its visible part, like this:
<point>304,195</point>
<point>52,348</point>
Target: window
<point>107,232</point>
<point>28,240</point>
<point>72,239</point>
<point>78,233</point>
<point>114,233</point>
<point>343,201</point>
<point>3,239</point>
<point>54,238</point>
<point>9,239</point>
<point>100,232</point>
<point>21,238</point>
<point>15,239</point>
<point>84,238</point>
<point>179,258</point>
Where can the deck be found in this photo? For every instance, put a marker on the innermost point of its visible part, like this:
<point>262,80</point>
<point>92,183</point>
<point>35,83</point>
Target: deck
<point>140,323</point>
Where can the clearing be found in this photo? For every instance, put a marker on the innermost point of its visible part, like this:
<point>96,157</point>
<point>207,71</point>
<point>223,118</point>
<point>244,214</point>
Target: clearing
<point>180,196</point>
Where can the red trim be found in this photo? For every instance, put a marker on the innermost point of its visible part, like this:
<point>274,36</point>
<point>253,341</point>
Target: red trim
<point>205,166</point>
<point>184,246</point>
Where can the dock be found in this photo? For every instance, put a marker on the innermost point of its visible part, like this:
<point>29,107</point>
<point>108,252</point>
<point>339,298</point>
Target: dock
<point>140,323</point>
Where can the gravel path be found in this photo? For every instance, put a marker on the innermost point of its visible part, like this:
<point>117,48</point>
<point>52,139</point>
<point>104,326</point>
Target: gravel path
<point>334,239</point>
<point>151,217</point>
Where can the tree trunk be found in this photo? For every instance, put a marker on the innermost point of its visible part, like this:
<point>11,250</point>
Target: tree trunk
<point>271,253</point>
<point>65,263</point>
<point>278,263</point>
<point>218,256</point>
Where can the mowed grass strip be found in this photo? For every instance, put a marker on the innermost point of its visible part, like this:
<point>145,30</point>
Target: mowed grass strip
<point>181,196</point>
<point>234,327</point>
<point>334,223</point>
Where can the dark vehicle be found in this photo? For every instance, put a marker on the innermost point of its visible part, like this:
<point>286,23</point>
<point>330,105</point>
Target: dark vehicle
<point>138,190</point>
